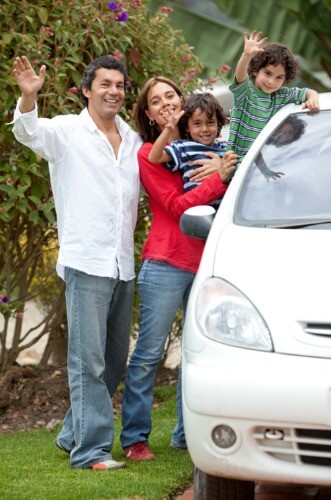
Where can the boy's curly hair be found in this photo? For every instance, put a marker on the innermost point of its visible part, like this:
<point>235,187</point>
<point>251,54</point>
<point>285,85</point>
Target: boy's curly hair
<point>208,104</point>
<point>274,54</point>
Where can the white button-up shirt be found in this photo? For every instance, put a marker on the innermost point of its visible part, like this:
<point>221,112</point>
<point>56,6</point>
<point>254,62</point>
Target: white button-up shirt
<point>95,193</point>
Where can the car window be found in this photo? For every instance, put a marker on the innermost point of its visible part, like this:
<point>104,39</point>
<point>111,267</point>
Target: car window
<point>290,177</point>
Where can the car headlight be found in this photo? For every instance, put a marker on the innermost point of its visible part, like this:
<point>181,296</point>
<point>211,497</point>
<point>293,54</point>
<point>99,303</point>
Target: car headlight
<point>224,314</point>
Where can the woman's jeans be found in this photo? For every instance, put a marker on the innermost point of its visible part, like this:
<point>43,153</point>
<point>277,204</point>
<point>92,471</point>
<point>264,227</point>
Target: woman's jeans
<point>162,290</point>
<point>99,319</point>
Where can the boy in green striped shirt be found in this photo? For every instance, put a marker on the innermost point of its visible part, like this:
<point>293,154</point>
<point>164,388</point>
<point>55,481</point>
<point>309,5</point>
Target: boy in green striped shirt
<point>258,98</point>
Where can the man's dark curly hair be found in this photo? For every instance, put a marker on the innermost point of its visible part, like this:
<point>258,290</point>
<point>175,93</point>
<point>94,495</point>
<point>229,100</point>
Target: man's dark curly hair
<point>208,104</point>
<point>108,62</point>
<point>274,54</point>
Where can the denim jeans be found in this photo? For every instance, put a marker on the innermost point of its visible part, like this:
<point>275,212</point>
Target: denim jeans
<point>162,289</point>
<point>99,320</point>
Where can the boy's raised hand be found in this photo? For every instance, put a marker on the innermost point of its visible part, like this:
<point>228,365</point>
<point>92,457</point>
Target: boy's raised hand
<point>253,44</point>
<point>28,80</point>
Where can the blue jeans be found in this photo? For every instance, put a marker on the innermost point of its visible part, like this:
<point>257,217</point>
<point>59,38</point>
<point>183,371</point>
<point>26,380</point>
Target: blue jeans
<point>99,319</point>
<point>162,290</point>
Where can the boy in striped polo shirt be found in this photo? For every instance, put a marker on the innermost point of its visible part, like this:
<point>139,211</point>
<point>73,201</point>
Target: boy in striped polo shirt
<point>259,98</point>
<point>200,124</point>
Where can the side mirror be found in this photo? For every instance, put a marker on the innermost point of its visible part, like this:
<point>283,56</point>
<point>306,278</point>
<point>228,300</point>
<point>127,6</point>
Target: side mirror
<point>196,221</point>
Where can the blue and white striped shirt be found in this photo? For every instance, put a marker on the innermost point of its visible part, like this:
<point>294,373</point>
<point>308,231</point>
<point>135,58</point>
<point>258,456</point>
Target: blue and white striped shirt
<point>184,151</point>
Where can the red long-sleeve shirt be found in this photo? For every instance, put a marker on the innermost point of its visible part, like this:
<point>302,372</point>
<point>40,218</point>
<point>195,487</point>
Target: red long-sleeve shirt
<point>167,202</point>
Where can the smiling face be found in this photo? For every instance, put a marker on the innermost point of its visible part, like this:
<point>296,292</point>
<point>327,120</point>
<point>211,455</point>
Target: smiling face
<point>270,78</point>
<point>106,96</point>
<point>202,128</point>
<point>162,100</point>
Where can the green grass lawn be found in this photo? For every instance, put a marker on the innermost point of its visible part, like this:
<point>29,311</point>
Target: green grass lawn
<point>31,467</point>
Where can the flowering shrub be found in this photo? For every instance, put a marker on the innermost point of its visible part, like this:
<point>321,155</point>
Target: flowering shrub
<point>65,36</point>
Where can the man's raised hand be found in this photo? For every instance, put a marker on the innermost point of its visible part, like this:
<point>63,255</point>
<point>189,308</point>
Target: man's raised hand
<point>28,80</point>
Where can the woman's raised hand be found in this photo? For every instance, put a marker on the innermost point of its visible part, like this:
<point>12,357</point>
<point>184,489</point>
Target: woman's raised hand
<point>172,118</point>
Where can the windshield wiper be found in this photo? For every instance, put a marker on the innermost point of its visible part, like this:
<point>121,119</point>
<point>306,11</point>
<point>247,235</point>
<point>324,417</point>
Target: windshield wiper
<point>299,224</point>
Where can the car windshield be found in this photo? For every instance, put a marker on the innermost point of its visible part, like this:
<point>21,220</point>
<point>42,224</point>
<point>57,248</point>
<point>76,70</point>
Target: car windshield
<point>289,181</point>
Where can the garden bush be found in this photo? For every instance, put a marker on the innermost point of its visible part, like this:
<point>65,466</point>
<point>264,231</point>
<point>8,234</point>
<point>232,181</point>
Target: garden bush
<point>65,36</point>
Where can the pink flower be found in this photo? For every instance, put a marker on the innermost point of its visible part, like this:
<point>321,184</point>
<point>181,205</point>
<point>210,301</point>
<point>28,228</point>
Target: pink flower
<point>225,68</point>
<point>166,10</point>
<point>192,71</point>
<point>18,314</point>
<point>213,80</point>
<point>73,90</point>
<point>9,181</point>
<point>47,30</point>
<point>117,54</point>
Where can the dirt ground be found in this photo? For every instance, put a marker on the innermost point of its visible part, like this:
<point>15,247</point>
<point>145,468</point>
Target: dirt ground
<point>32,398</point>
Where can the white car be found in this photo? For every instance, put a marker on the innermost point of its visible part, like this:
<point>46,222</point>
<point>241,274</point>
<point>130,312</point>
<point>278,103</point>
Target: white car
<point>257,334</point>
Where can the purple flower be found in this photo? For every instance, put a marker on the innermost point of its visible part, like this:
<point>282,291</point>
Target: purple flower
<point>112,6</point>
<point>4,300</point>
<point>122,17</point>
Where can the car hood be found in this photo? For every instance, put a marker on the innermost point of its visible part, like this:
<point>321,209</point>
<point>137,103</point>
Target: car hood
<point>286,274</point>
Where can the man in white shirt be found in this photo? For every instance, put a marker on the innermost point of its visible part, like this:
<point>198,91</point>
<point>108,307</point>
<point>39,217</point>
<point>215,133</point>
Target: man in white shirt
<point>94,174</point>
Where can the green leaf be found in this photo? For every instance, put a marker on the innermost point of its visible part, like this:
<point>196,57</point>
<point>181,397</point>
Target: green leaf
<point>30,19</point>
<point>4,217</point>
<point>6,189</point>
<point>36,190</point>
<point>35,200</point>
<point>43,14</point>
<point>22,205</point>
<point>12,214</point>
<point>50,216</point>
<point>26,179</point>
<point>9,204</point>
<point>7,38</point>
<point>21,191</point>
<point>97,44</point>
<point>34,216</point>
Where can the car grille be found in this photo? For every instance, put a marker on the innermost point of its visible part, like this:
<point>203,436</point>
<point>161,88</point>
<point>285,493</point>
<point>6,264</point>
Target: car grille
<point>318,329</point>
<point>306,446</point>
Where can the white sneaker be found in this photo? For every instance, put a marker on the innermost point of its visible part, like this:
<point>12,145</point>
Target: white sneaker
<point>108,465</point>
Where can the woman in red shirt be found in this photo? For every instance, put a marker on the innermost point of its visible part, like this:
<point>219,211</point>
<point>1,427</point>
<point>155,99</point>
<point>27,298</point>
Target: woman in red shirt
<point>169,262</point>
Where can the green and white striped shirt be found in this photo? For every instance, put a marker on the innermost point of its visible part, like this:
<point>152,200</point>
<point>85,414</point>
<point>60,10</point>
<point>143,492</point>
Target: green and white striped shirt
<point>252,109</point>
